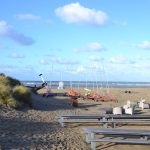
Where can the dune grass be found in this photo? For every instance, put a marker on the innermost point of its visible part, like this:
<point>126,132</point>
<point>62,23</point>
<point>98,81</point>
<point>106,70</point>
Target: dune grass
<point>12,93</point>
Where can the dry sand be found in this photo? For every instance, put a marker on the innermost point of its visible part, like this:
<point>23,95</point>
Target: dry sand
<point>38,128</point>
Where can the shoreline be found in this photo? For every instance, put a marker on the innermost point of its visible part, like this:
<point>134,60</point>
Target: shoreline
<point>90,84</point>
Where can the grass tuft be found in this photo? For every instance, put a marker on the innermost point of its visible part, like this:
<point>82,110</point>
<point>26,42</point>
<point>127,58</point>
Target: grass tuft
<point>12,93</point>
<point>22,94</point>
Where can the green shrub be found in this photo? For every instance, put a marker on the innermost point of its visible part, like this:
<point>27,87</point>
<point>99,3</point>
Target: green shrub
<point>22,94</point>
<point>13,82</point>
<point>13,103</point>
<point>4,80</point>
<point>4,101</point>
<point>12,94</point>
<point>5,91</point>
<point>5,94</point>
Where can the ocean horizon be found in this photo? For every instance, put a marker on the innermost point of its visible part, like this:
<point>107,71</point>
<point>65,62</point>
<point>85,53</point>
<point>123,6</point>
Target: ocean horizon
<point>90,84</point>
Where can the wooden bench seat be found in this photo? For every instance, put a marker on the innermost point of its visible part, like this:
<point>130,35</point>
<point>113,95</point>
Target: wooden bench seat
<point>105,120</point>
<point>108,116</point>
<point>126,136</point>
<point>121,141</point>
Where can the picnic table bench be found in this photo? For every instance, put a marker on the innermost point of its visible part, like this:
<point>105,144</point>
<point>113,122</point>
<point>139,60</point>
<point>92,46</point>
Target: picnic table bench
<point>125,136</point>
<point>105,120</point>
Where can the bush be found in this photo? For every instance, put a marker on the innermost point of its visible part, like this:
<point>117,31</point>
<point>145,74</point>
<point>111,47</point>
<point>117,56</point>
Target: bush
<point>22,94</point>
<point>4,80</point>
<point>4,92</point>
<point>5,96</point>
<point>11,102</point>
<point>13,82</point>
<point>12,94</point>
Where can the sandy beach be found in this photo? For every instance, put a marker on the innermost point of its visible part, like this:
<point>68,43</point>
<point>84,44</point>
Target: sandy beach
<point>37,128</point>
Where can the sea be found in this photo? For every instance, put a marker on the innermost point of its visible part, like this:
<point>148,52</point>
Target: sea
<point>89,84</point>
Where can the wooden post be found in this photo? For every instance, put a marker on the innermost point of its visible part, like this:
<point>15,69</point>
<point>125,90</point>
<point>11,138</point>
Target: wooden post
<point>105,124</point>
<point>62,121</point>
<point>87,137</point>
<point>93,144</point>
<point>113,123</point>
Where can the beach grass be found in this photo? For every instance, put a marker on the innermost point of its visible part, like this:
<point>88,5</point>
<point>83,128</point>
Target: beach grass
<point>12,93</point>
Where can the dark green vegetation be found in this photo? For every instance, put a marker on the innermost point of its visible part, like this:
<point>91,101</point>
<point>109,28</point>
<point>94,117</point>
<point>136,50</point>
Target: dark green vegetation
<point>12,93</point>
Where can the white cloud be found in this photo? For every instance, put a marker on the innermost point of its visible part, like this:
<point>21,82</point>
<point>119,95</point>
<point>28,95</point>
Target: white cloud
<point>122,60</point>
<point>91,47</point>
<point>7,31</point>
<point>118,60</point>
<point>75,13</point>
<point>95,46</point>
<point>94,67</point>
<point>27,17</point>
<point>144,45</point>
<point>16,56</point>
<point>43,62</point>
<point>78,70</point>
<point>96,58</point>
<point>62,61</point>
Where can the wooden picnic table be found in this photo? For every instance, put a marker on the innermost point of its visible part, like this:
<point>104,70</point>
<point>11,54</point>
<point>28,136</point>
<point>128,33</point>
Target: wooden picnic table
<point>103,119</point>
<point>126,136</point>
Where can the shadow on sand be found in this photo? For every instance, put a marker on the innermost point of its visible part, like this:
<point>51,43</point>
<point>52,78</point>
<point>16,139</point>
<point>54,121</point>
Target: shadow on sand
<point>54,103</point>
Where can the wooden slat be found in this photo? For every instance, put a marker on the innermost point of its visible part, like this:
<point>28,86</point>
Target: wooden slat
<point>116,131</point>
<point>121,133</point>
<point>80,121</point>
<point>121,141</point>
<point>91,116</point>
<point>109,121</point>
<point>104,119</point>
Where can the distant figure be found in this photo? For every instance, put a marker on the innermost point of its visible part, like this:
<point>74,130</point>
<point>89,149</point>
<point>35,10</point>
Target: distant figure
<point>61,85</point>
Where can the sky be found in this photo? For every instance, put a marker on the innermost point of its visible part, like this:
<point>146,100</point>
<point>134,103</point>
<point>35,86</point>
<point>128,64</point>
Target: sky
<point>89,40</point>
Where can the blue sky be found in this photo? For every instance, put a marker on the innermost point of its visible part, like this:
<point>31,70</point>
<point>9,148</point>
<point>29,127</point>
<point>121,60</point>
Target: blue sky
<point>75,40</point>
